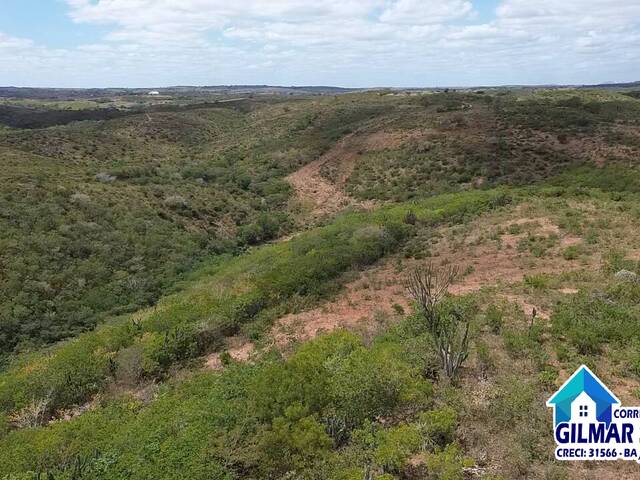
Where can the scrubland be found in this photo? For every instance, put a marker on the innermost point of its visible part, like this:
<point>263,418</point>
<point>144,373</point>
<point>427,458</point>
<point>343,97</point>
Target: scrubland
<point>178,301</point>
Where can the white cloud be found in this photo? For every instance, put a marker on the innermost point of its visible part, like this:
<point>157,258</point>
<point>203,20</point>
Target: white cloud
<point>420,12</point>
<point>8,42</point>
<point>346,42</point>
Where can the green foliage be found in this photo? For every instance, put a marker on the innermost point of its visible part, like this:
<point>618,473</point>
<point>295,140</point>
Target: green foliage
<point>291,443</point>
<point>494,317</point>
<point>398,309</point>
<point>113,221</point>
<point>537,281</point>
<point>569,111</point>
<point>99,219</point>
<point>611,178</point>
<point>396,445</point>
<point>102,218</point>
<point>588,321</point>
<point>484,356</point>
<point>513,141</point>
<point>615,261</point>
<point>117,213</point>
<point>572,252</point>
<point>513,400</point>
<point>344,383</point>
<point>270,420</point>
<point>410,218</point>
<point>538,245</point>
<point>453,334</point>
<point>525,343</point>
<point>219,300</point>
<point>438,426</point>
<point>447,463</point>
<point>548,377</point>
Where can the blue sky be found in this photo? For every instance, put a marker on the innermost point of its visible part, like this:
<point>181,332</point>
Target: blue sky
<point>101,43</point>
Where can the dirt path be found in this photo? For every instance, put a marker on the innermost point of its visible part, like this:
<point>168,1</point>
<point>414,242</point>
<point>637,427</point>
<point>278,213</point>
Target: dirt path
<point>317,194</point>
<point>319,185</point>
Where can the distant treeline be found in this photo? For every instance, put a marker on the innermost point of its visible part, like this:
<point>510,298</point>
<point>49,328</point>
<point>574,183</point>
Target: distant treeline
<point>97,93</point>
<point>23,117</point>
<point>31,118</point>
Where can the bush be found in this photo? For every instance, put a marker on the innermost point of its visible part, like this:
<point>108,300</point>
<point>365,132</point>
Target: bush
<point>572,252</point>
<point>446,319</point>
<point>540,281</point>
<point>447,463</point>
<point>292,443</point>
<point>276,418</point>
<point>410,218</point>
<point>590,321</point>
<point>513,401</point>
<point>176,201</point>
<point>485,359</point>
<point>494,318</point>
<point>520,343</point>
<point>265,228</point>
<point>129,365</point>
<point>342,382</point>
<point>396,445</point>
<point>438,426</point>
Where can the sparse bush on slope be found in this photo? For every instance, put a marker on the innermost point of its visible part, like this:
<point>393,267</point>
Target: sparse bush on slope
<point>236,293</point>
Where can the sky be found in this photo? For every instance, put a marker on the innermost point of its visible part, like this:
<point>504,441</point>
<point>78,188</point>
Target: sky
<point>350,43</point>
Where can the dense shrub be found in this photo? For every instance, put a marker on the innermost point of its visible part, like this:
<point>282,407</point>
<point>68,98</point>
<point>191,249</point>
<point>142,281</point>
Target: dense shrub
<point>447,463</point>
<point>340,380</point>
<point>396,445</point>
<point>438,426</point>
<point>271,420</point>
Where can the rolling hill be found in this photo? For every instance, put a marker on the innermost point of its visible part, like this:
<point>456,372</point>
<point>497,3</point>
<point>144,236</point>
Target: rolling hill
<point>218,290</point>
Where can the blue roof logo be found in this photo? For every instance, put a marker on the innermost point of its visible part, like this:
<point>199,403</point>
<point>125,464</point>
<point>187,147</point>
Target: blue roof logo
<point>583,381</point>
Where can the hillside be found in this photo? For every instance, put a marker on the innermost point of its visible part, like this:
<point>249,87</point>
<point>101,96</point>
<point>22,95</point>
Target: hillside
<point>219,290</point>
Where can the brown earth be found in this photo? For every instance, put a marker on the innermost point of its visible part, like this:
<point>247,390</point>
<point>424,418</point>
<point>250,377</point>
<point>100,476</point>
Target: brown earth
<point>377,294</point>
<point>319,185</point>
<point>238,349</point>
<point>380,287</point>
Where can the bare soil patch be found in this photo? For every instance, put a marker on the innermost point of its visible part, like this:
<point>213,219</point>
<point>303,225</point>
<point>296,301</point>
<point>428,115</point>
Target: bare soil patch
<point>319,184</point>
<point>238,348</point>
<point>363,305</point>
<point>378,294</point>
<point>380,287</point>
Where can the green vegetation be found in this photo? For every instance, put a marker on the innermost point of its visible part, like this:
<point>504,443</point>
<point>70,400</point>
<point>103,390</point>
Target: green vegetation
<point>135,247</point>
<point>246,292</point>
<point>612,317</point>
<point>446,319</point>
<point>117,211</point>
<point>99,219</point>
<point>464,141</point>
<point>311,414</point>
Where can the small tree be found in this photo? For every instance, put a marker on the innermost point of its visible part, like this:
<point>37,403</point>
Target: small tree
<point>446,321</point>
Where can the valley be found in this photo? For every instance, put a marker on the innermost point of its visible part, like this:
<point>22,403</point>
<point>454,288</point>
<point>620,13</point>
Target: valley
<point>216,284</point>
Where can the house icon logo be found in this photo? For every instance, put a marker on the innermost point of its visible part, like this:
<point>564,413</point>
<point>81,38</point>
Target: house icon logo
<point>590,423</point>
<point>583,398</point>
